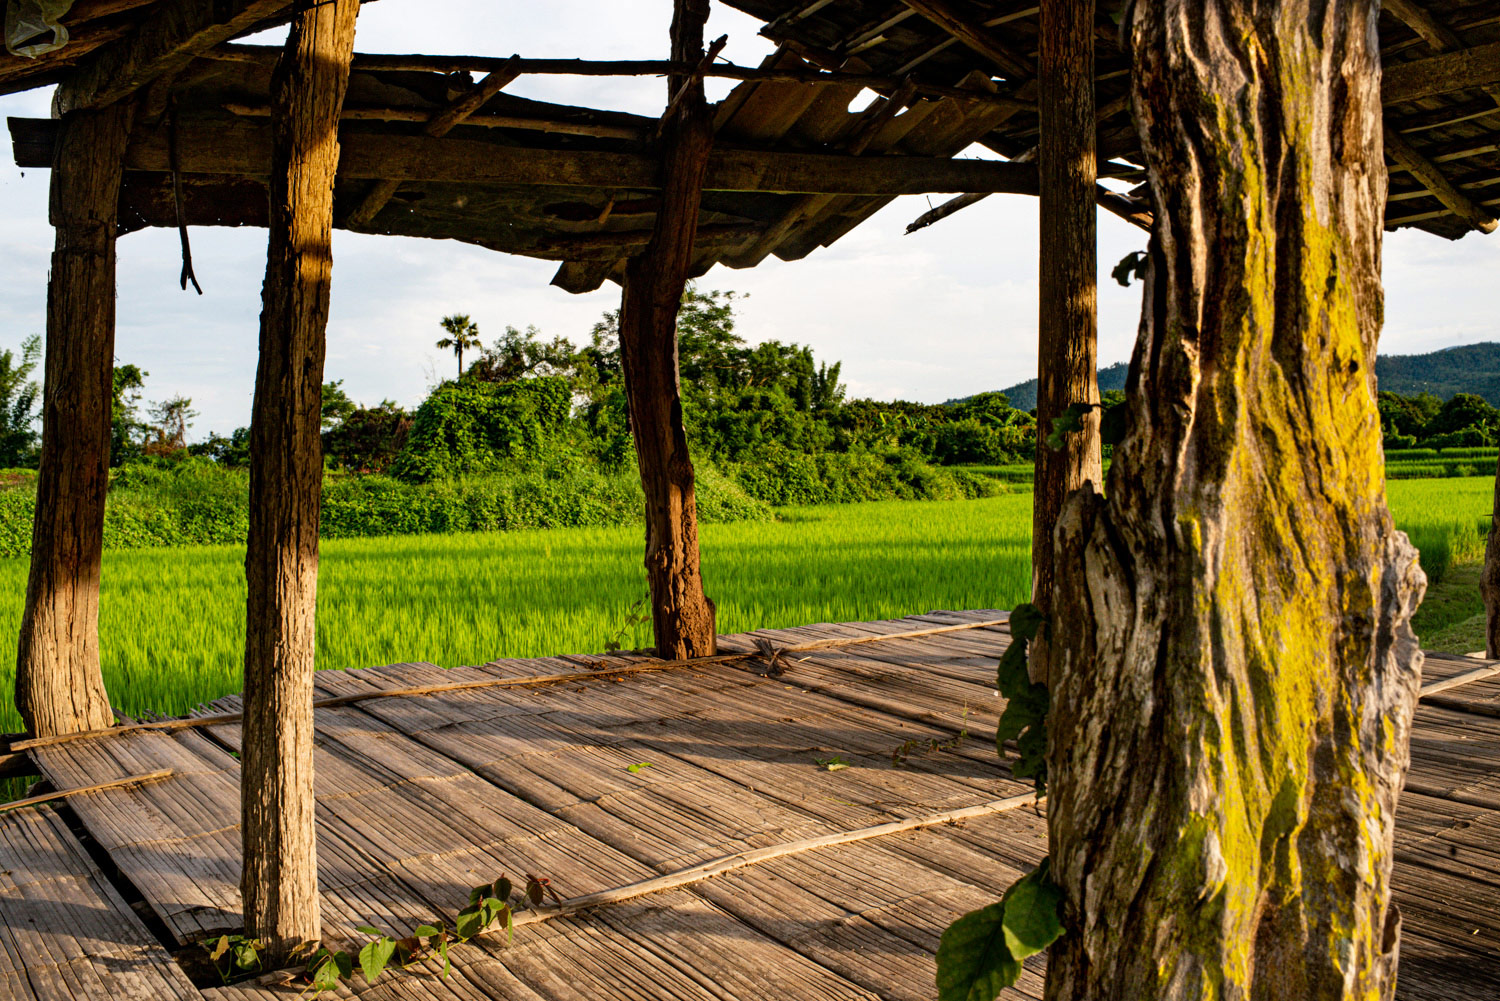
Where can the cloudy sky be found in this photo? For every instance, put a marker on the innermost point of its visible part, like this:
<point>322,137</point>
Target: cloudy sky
<point>946,312</point>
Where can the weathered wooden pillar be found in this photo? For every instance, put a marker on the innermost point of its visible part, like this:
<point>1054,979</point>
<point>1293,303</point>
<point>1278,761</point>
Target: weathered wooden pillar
<point>1489,578</point>
<point>59,688</point>
<point>1067,327</point>
<point>1235,674</point>
<point>280,878</point>
<point>654,281</point>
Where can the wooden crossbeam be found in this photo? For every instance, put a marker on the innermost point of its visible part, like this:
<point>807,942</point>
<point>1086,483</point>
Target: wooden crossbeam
<point>1462,69</point>
<point>382,63</point>
<point>1443,189</point>
<point>440,124</point>
<point>243,149</point>
<point>972,33</point>
<point>175,32</point>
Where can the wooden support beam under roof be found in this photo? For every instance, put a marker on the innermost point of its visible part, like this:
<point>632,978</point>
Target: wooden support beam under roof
<point>1442,188</point>
<point>243,149</point>
<point>1444,73</point>
<point>972,33</point>
<point>174,34</point>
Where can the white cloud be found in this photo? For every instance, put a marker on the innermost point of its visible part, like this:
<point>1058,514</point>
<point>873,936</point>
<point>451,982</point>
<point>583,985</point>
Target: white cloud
<point>943,313</point>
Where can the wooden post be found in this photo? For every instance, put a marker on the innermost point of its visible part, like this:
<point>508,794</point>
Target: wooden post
<point>1067,328</point>
<point>682,614</point>
<point>59,688</point>
<point>1489,577</point>
<point>1233,682</point>
<point>279,882</point>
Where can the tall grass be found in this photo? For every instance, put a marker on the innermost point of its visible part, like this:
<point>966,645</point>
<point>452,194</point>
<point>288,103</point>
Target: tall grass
<point>172,620</point>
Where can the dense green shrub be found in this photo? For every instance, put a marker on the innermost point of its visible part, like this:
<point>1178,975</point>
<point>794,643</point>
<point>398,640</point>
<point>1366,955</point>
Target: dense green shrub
<point>470,427</point>
<point>198,503</point>
<point>781,477</point>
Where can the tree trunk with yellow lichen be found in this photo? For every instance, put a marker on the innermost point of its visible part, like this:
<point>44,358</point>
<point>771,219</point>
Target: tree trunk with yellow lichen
<point>1234,667</point>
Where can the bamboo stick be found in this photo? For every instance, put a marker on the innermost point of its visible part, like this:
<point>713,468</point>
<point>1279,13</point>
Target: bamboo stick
<point>626,67</point>
<point>172,725</point>
<point>728,863</point>
<point>100,787</point>
<point>1461,678</point>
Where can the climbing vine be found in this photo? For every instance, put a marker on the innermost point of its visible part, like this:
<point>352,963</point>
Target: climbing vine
<point>981,953</point>
<point>489,907</point>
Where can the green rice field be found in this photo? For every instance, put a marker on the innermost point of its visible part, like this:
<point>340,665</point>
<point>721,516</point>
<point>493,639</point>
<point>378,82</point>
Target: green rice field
<point>171,620</point>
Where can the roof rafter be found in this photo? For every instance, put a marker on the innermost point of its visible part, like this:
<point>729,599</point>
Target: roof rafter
<point>174,34</point>
<point>1460,69</point>
<point>1443,189</point>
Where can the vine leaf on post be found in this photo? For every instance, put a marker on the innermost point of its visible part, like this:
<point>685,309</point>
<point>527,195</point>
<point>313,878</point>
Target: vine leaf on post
<point>1031,921</point>
<point>973,961</point>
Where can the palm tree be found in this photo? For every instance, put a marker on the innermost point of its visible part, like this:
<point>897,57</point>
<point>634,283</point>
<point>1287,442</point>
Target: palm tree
<point>462,333</point>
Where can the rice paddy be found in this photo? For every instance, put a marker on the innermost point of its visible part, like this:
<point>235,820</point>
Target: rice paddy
<point>172,620</point>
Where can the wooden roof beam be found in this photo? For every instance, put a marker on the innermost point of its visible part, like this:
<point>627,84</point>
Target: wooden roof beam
<point>1435,33</point>
<point>974,34</point>
<point>440,124</point>
<point>243,149</point>
<point>1461,69</point>
<point>170,37</point>
<point>1443,189</point>
<point>383,63</point>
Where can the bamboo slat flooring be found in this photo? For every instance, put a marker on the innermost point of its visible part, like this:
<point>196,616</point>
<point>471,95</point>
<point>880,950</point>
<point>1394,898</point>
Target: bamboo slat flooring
<point>422,796</point>
<point>65,932</point>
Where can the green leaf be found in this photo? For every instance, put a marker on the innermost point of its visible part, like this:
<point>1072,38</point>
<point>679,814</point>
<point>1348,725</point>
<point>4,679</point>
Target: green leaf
<point>443,951</point>
<point>344,964</point>
<point>374,957</point>
<point>425,931</point>
<point>1032,920</point>
<point>1131,265</point>
<point>246,956</point>
<point>468,924</point>
<point>368,930</point>
<point>635,769</point>
<point>220,948</point>
<point>326,976</point>
<point>973,961</point>
<point>501,889</point>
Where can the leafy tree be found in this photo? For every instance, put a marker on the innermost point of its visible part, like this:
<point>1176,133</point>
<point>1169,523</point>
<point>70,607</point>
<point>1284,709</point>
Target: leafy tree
<point>336,404</point>
<point>18,403</point>
<point>1407,415</point>
<point>125,427</point>
<point>463,335</point>
<point>368,439</point>
<point>1465,410</point>
<point>233,451</point>
<point>521,354</point>
<point>173,417</point>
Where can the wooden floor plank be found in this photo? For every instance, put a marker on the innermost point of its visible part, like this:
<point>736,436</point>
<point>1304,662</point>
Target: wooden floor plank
<point>67,932</point>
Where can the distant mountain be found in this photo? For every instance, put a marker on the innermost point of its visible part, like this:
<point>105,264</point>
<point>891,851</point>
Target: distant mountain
<point>1023,394</point>
<point>1468,368</point>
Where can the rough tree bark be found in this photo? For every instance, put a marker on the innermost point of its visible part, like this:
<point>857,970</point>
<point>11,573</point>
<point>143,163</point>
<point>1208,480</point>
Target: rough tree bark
<point>682,614</point>
<point>1489,578</point>
<point>59,688</point>
<point>1235,672</point>
<point>1067,329</point>
<point>280,878</point>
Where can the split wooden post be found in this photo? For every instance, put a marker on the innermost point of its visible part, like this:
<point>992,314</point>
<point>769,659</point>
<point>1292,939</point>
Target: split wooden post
<point>280,882</point>
<point>59,687</point>
<point>1067,328</point>
<point>682,614</point>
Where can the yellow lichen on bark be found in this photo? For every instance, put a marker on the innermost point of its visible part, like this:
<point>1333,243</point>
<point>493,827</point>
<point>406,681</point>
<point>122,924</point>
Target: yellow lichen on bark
<point>1236,671</point>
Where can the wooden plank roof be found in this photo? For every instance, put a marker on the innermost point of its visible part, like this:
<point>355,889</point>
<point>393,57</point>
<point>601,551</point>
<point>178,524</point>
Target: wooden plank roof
<point>422,796</point>
<point>576,185</point>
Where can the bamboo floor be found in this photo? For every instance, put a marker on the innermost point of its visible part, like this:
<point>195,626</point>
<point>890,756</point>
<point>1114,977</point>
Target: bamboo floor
<point>421,797</point>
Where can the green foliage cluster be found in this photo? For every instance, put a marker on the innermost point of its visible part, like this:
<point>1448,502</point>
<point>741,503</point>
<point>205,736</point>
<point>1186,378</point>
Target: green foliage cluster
<point>19,395</point>
<point>1424,421</point>
<point>194,501</point>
